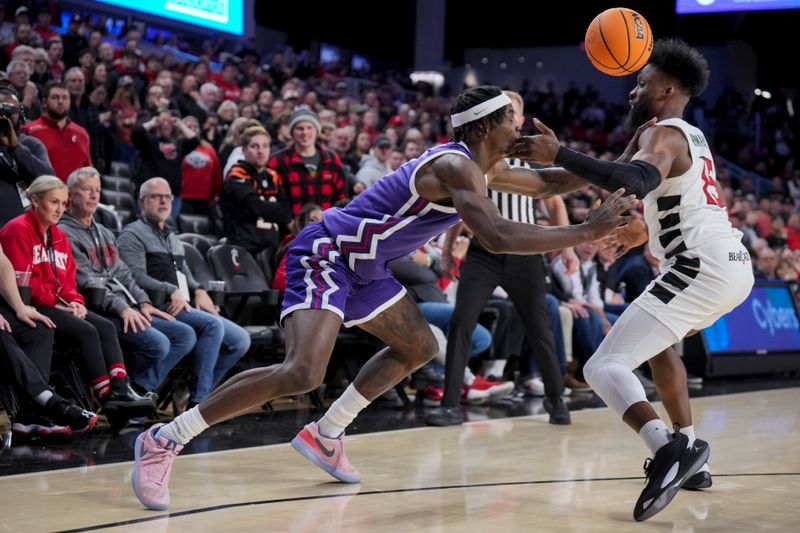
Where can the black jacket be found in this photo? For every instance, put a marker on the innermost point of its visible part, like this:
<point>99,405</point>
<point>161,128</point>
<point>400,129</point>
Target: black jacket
<point>249,196</point>
<point>24,164</point>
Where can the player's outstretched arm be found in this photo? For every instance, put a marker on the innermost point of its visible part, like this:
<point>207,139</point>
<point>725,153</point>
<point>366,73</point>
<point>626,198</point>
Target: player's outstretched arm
<point>644,173</point>
<point>539,183</point>
<point>465,183</point>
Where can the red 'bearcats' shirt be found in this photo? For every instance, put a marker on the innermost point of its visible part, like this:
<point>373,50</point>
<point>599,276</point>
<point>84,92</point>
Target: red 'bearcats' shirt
<point>325,188</point>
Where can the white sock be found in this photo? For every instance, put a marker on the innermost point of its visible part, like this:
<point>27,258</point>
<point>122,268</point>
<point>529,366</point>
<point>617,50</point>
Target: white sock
<point>343,411</point>
<point>655,434</point>
<point>469,377</point>
<point>184,428</point>
<point>43,397</point>
<point>494,367</point>
<point>689,432</point>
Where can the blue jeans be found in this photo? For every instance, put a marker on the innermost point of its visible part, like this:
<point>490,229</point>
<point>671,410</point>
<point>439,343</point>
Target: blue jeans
<point>156,350</point>
<point>558,336</point>
<point>220,344</point>
<point>177,202</point>
<point>587,334</point>
<point>439,313</point>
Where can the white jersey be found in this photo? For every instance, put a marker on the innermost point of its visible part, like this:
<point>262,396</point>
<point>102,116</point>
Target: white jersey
<point>705,269</point>
<point>687,211</point>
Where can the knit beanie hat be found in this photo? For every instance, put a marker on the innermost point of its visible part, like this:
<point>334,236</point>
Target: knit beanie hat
<point>303,114</point>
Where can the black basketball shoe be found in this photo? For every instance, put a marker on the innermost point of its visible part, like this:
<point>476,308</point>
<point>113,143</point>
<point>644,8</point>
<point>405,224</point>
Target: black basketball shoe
<point>701,480</point>
<point>672,465</point>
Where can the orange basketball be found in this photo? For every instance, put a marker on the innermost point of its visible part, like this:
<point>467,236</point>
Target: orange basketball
<point>619,41</point>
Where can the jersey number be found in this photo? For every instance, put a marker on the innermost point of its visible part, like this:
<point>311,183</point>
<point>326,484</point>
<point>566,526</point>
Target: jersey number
<point>710,185</point>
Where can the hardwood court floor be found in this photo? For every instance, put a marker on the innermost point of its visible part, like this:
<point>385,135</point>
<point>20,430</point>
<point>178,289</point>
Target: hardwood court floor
<point>518,474</point>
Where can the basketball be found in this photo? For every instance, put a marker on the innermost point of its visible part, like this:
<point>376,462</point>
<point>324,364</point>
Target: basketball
<point>619,41</point>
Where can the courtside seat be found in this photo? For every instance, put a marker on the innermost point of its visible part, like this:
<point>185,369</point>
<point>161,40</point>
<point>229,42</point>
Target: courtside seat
<point>118,183</point>
<point>121,168</point>
<point>201,242</point>
<point>195,224</point>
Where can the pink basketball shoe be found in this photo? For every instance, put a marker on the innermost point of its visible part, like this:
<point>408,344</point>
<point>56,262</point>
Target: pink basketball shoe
<point>326,453</point>
<point>151,470</point>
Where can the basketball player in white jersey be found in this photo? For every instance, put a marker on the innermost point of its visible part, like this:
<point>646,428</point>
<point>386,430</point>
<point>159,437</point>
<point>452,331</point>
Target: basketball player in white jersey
<point>705,269</point>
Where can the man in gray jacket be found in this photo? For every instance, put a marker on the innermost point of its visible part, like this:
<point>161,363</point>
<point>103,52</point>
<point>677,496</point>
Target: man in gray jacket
<point>156,258</point>
<point>155,340</point>
<point>376,165</point>
<point>22,158</point>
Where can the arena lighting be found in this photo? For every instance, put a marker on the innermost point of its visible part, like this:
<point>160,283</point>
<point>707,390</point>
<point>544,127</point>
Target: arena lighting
<point>766,94</point>
<point>433,78</point>
<point>470,79</point>
<point>757,92</point>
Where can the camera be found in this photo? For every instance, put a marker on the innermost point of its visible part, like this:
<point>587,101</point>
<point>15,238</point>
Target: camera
<point>6,111</point>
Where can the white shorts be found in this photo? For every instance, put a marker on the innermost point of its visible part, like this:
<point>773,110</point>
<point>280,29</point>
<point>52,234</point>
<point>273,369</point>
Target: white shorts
<point>699,285</point>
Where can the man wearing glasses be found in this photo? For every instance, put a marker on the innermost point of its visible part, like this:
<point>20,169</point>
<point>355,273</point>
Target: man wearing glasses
<point>155,256</point>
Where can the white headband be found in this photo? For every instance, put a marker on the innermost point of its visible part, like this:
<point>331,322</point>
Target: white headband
<point>481,110</point>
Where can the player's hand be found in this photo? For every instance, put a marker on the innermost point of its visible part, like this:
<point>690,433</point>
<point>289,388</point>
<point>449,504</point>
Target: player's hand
<point>538,148</point>
<point>633,146</point>
<point>624,238</point>
<point>604,218</point>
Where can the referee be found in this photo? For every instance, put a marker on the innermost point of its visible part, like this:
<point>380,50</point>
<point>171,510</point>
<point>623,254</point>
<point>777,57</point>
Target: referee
<point>523,278</point>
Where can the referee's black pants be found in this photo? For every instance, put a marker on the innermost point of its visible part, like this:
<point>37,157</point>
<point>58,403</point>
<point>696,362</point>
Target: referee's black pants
<point>523,278</point>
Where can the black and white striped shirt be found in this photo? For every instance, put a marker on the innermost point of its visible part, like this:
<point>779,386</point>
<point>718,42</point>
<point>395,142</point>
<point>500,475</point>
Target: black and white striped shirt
<point>515,207</point>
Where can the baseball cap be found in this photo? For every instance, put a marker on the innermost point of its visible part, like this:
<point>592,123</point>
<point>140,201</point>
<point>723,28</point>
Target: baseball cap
<point>20,10</point>
<point>125,80</point>
<point>291,93</point>
<point>383,140</point>
<point>76,18</point>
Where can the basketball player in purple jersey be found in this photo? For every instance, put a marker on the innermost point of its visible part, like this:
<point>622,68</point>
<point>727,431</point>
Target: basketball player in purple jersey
<point>336,273</point>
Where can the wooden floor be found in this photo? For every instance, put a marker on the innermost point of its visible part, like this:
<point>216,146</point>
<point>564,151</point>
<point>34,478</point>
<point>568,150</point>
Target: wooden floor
<point>518,474</point>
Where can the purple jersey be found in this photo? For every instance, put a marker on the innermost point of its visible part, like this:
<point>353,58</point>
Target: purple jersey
<point>390,219</point>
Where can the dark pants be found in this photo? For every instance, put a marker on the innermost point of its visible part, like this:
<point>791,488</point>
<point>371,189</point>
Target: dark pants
<point>96,337</point>
<point>25,355</point>
<point>523,278</point>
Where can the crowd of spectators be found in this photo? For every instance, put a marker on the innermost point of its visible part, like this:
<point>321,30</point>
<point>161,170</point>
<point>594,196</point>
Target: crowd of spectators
<point>250,139</point>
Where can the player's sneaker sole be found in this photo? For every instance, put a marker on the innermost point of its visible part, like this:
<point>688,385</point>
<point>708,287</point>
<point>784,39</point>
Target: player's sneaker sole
<point>306,451</point>
<point>701,480</point>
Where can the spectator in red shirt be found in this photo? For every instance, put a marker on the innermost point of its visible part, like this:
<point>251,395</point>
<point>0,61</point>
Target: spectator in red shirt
<point>202,175</point>
<point>67,143</point>
<point>227,82</point>
<point>309,172</point>
<point>42,26</point>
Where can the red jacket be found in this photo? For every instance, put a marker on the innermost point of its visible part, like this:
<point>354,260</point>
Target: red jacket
<point>23,243</point>
<point>67,147</point>
<point>202,175</point>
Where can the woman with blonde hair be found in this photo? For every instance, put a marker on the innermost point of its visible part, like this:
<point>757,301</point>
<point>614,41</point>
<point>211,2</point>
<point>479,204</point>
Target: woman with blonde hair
<point>34,243</point>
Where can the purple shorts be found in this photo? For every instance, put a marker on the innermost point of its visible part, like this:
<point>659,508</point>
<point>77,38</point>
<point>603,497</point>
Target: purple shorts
<point>318,278</point>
